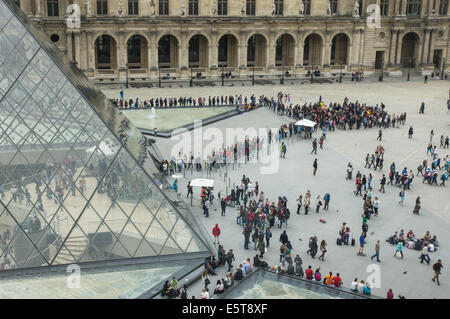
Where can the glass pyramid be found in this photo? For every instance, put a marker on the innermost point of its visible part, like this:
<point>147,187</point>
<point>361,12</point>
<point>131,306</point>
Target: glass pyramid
<point>72,183</point>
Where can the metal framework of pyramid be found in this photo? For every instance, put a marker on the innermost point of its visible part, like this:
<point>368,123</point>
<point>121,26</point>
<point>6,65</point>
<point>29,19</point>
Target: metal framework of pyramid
<point>72,184</point>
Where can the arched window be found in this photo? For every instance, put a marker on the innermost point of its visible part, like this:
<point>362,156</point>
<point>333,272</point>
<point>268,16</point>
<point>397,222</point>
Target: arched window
<point>53,8</point>
<point>413,7</point>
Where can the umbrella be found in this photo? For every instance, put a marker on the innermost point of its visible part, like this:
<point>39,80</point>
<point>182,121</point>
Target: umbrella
<point>202,182</point>
<point>306,122</point>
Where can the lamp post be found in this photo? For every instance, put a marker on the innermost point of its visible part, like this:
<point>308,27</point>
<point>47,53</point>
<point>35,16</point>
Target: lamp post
<point>159,75</point>
<point>282,74</point>
<point>223,75</point>
<point>442,68</point>
<point>382,70</point>
<point>409,69</point>
<point>253,78</point>
<point>191,81</point>
<point>312,70</point>
<point>126,68</point>
<point>340,75</point>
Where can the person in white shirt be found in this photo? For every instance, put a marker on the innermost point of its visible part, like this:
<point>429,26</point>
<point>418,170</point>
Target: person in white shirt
<point>361,287</point>
<point>204,294</point>
<point>354,286</point>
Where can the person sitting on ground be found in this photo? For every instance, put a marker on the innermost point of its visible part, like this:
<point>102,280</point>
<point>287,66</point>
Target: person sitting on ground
<point>367,289</point>
<point>354,286</point>
<point>360,287</point>
<point>337,282</point>
<point>317,275</point>
<point>309,273</point>
<point>329,279</point>
<point>220,288</point>
<point>238,275</point>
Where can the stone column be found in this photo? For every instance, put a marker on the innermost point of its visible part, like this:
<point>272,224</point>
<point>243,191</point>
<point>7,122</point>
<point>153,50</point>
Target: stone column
<point>431,46</point>
<point>424,52</point>
<point>403,7</point>
<point>77,48</point>
<point>90,45</point>
<point>121,56</point>
<point>69,44</point>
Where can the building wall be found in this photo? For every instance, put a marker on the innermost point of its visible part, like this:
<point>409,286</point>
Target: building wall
<point>432,29</point>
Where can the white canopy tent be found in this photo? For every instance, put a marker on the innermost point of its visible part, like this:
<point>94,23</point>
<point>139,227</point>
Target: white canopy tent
<point>306,122</point>
<point>202,182</point>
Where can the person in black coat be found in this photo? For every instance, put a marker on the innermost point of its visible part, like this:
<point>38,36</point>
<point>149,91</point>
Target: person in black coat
<point>284,238</point>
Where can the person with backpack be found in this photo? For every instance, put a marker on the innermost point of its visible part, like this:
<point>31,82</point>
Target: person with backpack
<point>326,199</point>
<point>183,292</point>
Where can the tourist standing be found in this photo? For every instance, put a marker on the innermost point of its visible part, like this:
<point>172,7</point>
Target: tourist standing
<point>315,167</point>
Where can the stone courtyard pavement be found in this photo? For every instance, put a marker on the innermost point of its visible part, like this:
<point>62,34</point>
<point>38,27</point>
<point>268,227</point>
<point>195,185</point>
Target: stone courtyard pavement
<point>405,276</point>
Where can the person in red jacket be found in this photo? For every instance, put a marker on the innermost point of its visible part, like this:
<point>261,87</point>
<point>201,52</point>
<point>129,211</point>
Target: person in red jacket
<point>337,280</point>
<point>216,233</point>
<point>309,273</point>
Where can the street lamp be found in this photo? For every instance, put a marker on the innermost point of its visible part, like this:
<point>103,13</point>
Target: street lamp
<point>409,68</point>
<point>159,75</point>
<point>223,74</point>
<point>382,70</point>
<point>340,75</point>
<point>253,78</point>
<point>126,68</point>
<point>282,74</point>
<point>191,81</point>
<point>442,68</point>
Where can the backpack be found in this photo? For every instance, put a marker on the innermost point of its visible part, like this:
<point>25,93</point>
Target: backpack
<point>183,294</point>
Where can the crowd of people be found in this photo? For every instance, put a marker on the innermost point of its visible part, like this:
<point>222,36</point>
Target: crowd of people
<point>184,101</point>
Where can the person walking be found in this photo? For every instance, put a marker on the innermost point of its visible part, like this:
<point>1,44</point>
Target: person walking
<point>189,190</point>
<point>380,133</point>
<point>424,255</point>
<point>410,132</point>
<point>417,206</point>
<point>362,242</point>
<point>437,271</point>
<point>326,200</point>
<point>377,251</point>
<point>422,107</point>
<point>323,249</point>
<point>382,183</point>
<point>399,249</point>
<point>268,235</point>
<point>230,258</point>
<point>261,247</point>
<point>216,233</point>
<point>314,145</point>
<point>402,197</point>
<point>299,204</point>
<point>315,167</point>
<point>223,205</point>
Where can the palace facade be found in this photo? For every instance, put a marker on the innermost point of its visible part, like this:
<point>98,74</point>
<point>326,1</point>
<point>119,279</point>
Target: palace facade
<point>115,39</point>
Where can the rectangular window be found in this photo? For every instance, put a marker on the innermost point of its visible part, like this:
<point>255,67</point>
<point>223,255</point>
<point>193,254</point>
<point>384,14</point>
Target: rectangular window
<point>222,7</point>
<point>193,7</point>
<point>163,7</point>
<point>251,7</point>
<point>443,7</point>
<point>333,6</point>
<point>278,7</point>
<point>384,7</point>
<point>307,4</point>
<point>413,7</point>
<point>53,8</point>
<point>102,7</point>
<point>133,7</point>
